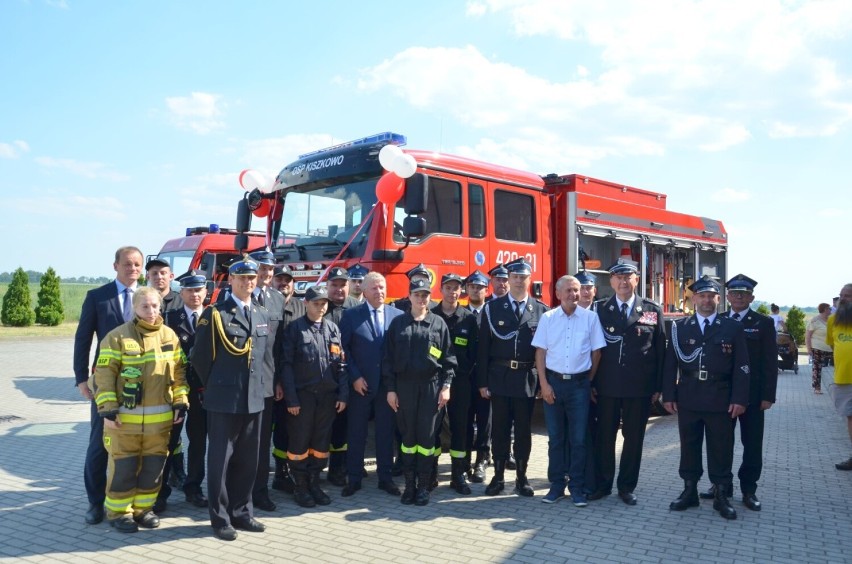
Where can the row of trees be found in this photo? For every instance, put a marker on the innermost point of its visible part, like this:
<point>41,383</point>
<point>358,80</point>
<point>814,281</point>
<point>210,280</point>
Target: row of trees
<point>33,277</point>
<point>17,304</point>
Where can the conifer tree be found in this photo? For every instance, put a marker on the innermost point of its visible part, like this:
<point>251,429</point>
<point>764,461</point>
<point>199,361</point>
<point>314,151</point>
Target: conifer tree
<point>49,310</point>
<point>17,305</point>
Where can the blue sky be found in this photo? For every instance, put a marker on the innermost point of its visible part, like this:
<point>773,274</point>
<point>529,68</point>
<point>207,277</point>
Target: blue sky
<point>126,122</point>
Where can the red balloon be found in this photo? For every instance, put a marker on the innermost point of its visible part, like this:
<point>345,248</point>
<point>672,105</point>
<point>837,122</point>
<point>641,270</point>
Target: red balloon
<point>389,188</point>
<point>263,209</point>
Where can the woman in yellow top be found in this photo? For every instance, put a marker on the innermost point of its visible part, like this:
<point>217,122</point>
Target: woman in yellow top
<point>140,390</point>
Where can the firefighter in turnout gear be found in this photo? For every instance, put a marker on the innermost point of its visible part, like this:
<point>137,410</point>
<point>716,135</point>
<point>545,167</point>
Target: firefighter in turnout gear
<point>140,391</point>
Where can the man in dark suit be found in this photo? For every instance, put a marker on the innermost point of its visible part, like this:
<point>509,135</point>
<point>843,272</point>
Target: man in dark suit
<point>628,379</point>
<point>230,344</point>
<point>104,309</point>
<point>763,376</point>
<point>183,322</point>
<point>267,297</point>
<point>506,374</point>
<point>706,382</point>
<point>362,330</point>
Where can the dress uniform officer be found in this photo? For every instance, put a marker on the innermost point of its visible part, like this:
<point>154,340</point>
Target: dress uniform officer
<point>479,415</point>
<point>763,375</point>
<point>506,373</point>
<point>628,379</point>
<point>499,282</point>
<point>338,301</point>
<point>706,382</point>
<point>418,369</point>
<point>356,278</point>
<point>140,391</point>
<point>183,322</point>
<point>463,332</point>
<point>294,308</point>
<point>272,300</point>
<point>230,344</point>
<point>588,290</point>
<point>316,388</point>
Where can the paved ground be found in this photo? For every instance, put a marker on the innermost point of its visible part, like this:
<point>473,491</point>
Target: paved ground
<point>806,516</point>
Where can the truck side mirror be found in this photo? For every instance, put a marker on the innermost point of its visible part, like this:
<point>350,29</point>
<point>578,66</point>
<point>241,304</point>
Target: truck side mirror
<point>416,194</point>
<point>414,226</point>
<point>241,242</point>
<point>243,217</point>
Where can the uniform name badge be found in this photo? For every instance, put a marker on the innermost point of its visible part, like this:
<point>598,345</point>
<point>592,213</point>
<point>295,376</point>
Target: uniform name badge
<point>435,351</point>
<point>460,341</point>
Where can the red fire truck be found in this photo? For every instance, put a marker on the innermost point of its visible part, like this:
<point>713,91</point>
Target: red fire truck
<point>458,214</point>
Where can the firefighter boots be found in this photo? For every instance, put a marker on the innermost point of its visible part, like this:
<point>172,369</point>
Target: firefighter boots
<point>497,484</point>
<point>459,476</point>
<point>688,498</point>
<point>282,480</point>
<point>522,485</point>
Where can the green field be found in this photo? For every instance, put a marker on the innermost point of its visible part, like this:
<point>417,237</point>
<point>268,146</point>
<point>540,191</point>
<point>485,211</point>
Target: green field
<point>72,301</point>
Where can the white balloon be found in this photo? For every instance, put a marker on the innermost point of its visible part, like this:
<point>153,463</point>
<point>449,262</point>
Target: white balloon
<point>388,155</point>
<point>251,179</point>
<point>405,166</point>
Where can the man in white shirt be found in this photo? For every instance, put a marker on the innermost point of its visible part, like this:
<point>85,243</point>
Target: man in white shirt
<point>568,342</point>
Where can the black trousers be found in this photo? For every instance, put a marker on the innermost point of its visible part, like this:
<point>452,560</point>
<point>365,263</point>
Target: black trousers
<point>718,427</point>
<point>416,418</point>
<point>261,480</point>
<point>196,433</point>
<point>310,431</point>
<point>751,436</point>
<point>95,467</point>
<point>507,412</point>
<point>175,447</point>
<point>479,415</point>
<point>231,465</point>
<point>458,409</point>
<point>633,414</point>
<point>280,440</point>
<point>337,440</point>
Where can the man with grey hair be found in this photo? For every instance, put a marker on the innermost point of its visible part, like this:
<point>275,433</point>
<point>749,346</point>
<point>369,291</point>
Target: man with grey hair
<point>568,342</point>
<point>839,337</point>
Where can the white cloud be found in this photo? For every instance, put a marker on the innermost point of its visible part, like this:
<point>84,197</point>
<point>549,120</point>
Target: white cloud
<point>199,112</point>
<point>730,196</point>
<point>269,156</point>
<point>14,149</point>
<point>475,9</point>
<point>80,168</point>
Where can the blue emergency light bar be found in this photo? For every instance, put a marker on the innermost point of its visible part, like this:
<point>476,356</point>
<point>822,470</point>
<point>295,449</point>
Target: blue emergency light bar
<point>388,138</point>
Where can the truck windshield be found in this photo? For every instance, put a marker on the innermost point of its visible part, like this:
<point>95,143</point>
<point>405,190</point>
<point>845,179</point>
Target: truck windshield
<point>180,260</point>
<point>319,222</point>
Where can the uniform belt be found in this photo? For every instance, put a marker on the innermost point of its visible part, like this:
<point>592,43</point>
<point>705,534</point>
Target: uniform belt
<point>706,375</point>
<point>561,376</point>
<point>513,364</point>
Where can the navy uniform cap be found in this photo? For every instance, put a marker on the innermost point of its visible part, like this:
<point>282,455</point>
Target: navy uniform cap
<point>358,272</point>
<point>741,283</point>
<point>315,293</point>
<point>419,269</point>
<point>519,266</point>
<point>192,279</point>
<point>283,270</point>
<point>419,286</point>
<point>704,284</point>
<point>499,271</point>
<point>451,277</point>
<point>624,266</point>
<point>157,261</point>
<point>476,277</point>
<point>244,267</point>
<point>263,257</point>
<point>585,278</point>
<point>338,273</point>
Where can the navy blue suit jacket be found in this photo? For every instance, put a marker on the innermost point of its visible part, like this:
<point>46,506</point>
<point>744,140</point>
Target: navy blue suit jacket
<point>363,350</point>
<point>101,314</point>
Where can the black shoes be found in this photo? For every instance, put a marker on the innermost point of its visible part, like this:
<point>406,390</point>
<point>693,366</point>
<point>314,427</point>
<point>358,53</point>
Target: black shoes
<point>147,520</point>
<point>688,497</point>
<point>263,503</point>
<point>421,496</point>
<point>197,499</point>
<point>497,484</point>
<point>350,489</point>
<point>846,465</point>
<point>251,525</point>
<point>320,497</point>
<point>751,501</point>
<point>95,514</point>
<point>160,506</point>
<point>226,533</point>
<point>628,497</point>
<point>711,493</point>
<point>282,480</point>
<point>723,505</point>
<point>390,487</point>
<point>124,524</point>
<point>599,494</point>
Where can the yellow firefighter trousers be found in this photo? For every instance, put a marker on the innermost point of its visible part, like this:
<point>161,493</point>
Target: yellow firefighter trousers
<point>135,469</point>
